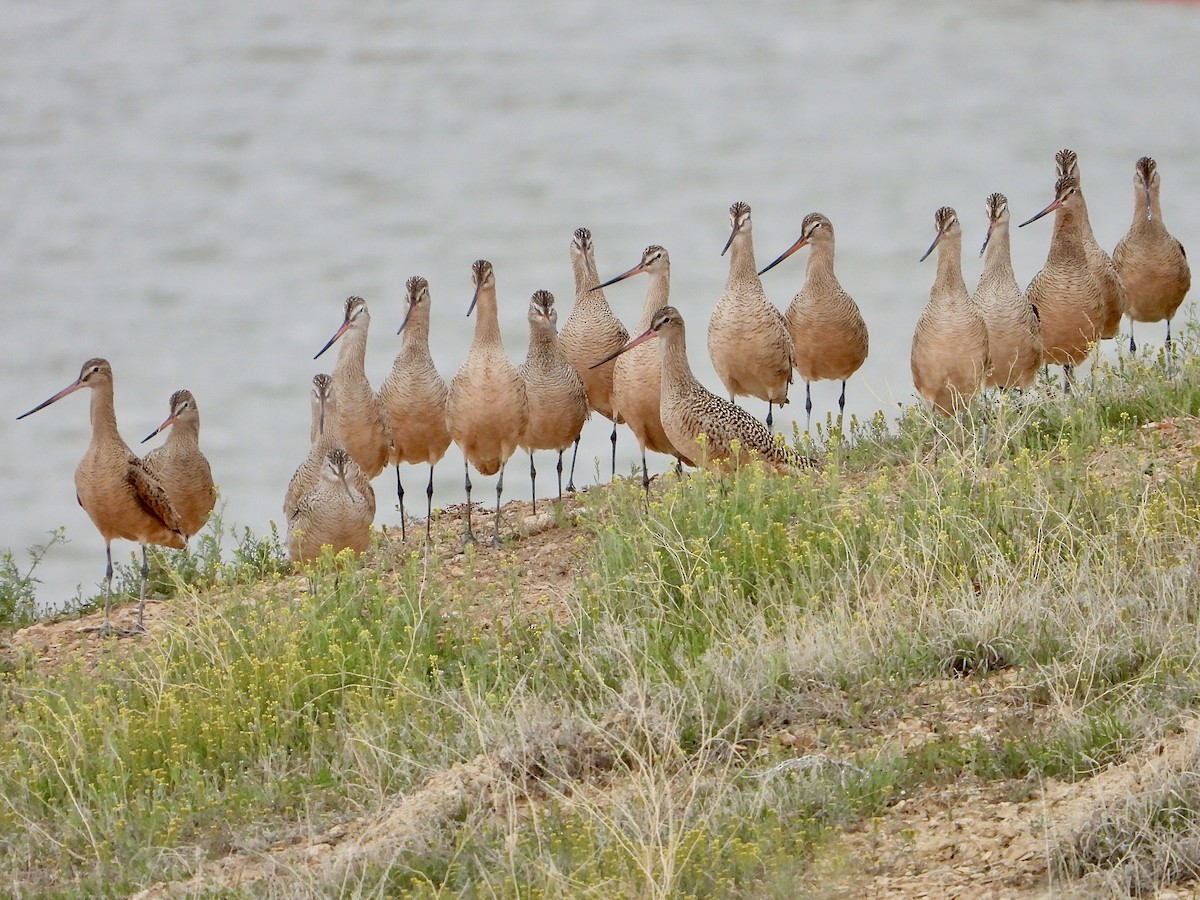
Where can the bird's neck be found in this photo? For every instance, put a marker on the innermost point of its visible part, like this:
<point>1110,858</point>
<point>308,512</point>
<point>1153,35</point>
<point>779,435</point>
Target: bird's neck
<point>741,260</point>
<point>585,280</point>
<point>997,258</point>
<point>676,372</point>
<point>949,266</point>
<point>487,322</point>
<point>184,434</point>
<point>658,293</point>
<point>1067,239</point>
<point>352,355</point>
<point>820,264</point>
<point>104,415</point>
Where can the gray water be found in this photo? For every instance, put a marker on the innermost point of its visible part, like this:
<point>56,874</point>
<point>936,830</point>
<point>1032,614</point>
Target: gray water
<point>192,190</point>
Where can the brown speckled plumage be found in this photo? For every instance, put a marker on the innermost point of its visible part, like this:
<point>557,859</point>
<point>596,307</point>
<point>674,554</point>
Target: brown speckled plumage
<point>334,512</point>
<point>1152,263</point>
<point>690,410</point>
<point>180,467</point>
<point>362,422</point>
<point>1108,279</point>
<point>1014,334</point>
<point>747,337</point>
<point>1065,292</point>
<point>950,345</point>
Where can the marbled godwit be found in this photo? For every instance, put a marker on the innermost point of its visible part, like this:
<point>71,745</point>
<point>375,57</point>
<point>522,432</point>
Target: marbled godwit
<point>362,422</point>
<point>1112,289</point>
<point>324,437</point>
<point>333,512</point>
<point>558,401</point>
<point>120,496</point>
<point>950,344</point>
<point>637,374</point>
<point>1068,298</point>
<point>180,467</point>
<point>747,337</point>
<point>487,409</point>
<point>591,331</point>
<point>827,330</point>
<point>689,410</point>
<point>1014,334</point>
<point>414,394</point>
<point>1152,264</point>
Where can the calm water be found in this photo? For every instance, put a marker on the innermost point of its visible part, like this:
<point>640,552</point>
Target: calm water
<point>193,190</point>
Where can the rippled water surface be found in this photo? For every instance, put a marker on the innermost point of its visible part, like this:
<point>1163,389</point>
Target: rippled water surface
<point>192,190</point>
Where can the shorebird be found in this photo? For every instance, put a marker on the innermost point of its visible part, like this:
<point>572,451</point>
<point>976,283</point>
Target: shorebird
<point>950,345</point>
<point>558,402</point>
<point>637,374</point>
<point>180,467</point>
<point>414,395</point>
<point>333,512</point>
<point>120,496</point>
<point>707,428</point>
<point>324,437</point>
<point>1014,333</point>
<point>487,409</point>
<point>828,333</point>
<point>1068,298</point>
<point>1112,289</point>
<point>747,337</point>
<point>591,331</point>
<point>1152,264</point>
<point>362,422</point>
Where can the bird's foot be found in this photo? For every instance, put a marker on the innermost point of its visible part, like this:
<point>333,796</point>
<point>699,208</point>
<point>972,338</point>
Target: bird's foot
<point>496,542</point>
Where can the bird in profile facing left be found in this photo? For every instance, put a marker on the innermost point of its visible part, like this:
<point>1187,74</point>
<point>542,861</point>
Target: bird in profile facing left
<point>180,467</point>
<point>1153,265</point>
<point>950,356</point>
<point>362,422</point>
<point>558,402</point>
<point>828,333</point>
<point>487,410</point>
<point>115,489</point>
<point>708,429</point>
<point>747,337</point>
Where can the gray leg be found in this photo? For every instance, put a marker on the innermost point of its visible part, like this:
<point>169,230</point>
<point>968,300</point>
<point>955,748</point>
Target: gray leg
<point>428,506</point>
<point>808,406</point>
<point>645,478</point>
<point>678,467</point>
<point>1067,369</point>
<point>469,535</point>
<point>560,453</point>
<point>499,491</point>
<point>1132,343</point>
<point>532,484</point>
<point>574,456</point>
<point>1170,373</point>
<point>400,497</point>
<point>145,579</point>
<point>106,629</point>
<point>614,450</point>
<point>770,416</point>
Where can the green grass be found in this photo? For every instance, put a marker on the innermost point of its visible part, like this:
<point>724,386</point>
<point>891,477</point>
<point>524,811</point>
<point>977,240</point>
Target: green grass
<point>635,749</point>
